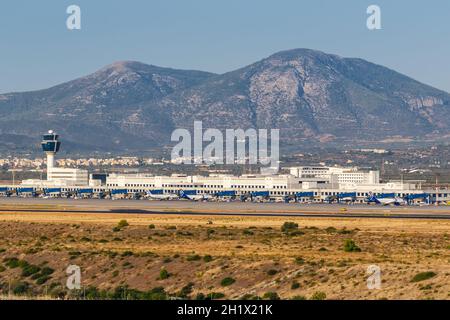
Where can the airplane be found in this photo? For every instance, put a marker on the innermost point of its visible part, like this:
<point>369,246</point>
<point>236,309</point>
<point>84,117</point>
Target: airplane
<point>195,197</point>
<point>161,196</point>
<point>386,201</point>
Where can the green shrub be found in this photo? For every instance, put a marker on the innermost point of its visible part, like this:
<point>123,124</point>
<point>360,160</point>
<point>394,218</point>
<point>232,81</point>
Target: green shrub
<point>30,270</point>
<point>228,281</point>
<point>11,262</point>
<point>250,297</point>
<point>20,288</point>
<point>289,226</point>
<point>331,230</point>
<point>47,271</point>
<point>319,295</point>
<point>350,246</point>
<point>127,253</point>
<point>214,296</point>
<point>163,274</point>
<point>247,232</point>
<point>298,298</point>
<point>272,272</point>
<point>123,224</point>
<point>423,276</point>
<point>42,279</point>
<point>152,226</point>
<point>200,296</point>
<point>194,257</point>
<point>22,264</point>
<point>299,260</point>
<point>271,296</point>
<point>185,291</point>
<point>207,258</point>
<point>295,285</point>
<point>157,293</point>
<point>296,233</point>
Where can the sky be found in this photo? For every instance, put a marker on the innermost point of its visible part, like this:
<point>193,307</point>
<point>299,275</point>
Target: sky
<point>38,51</point>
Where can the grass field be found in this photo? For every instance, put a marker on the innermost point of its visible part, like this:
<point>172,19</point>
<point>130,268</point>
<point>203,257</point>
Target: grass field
<point>196,257</point>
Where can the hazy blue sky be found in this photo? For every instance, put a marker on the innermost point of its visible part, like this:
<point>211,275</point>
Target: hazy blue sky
<point>38,51</point>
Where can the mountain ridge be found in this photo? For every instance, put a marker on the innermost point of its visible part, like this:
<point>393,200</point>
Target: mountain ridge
<point>311,96</point>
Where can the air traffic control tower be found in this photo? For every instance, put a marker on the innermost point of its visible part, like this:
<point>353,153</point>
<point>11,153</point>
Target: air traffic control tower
<point>50,145</point>
<point>57,176</point>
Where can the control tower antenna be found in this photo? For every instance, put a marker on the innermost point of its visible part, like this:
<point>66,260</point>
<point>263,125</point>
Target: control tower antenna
<point>50,145</point>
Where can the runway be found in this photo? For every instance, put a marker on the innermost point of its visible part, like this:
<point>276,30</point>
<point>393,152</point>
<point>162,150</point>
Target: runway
<point>182,207</point>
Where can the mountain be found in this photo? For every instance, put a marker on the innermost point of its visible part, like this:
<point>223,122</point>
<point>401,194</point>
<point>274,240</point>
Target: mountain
<point>311,96</point>
<point>100,111</point>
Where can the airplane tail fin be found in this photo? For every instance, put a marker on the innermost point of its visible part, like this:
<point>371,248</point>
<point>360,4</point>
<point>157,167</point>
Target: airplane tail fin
<point>373,198</point>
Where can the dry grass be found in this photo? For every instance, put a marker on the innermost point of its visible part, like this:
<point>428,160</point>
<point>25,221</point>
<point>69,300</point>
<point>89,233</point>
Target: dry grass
<point>402,248</point>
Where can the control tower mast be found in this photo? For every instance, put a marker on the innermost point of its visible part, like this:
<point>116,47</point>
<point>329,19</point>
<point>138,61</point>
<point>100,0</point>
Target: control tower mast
<point>50,145</point>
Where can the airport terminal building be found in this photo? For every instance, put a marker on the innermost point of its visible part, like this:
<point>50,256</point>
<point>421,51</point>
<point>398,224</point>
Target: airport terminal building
<point>311,184</point>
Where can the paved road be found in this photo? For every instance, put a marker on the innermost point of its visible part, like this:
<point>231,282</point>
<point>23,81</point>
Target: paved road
<point>222,208</point>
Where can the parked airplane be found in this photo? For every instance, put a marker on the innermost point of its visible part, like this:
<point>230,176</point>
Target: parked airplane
<point>397,201</point>
<point>161,196</point>
<point>194,197</point>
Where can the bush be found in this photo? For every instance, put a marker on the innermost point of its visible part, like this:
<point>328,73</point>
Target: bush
<point>271,296</point>
<point>21,288</point>
<point>272,272</point>
<point>11,262</point>
<point>127,253</point>
<point>423,276</point>
<point>214,296</point>
<point>47,271</point>
<point>350,246</point>
<point>152,226</point>
<point>163,274</point>
<point>249,296</point>
<point>289,226</point>
<point>298,298</point>
<point>123,224</point>
<point>200,296</point>
<point>30,270</point>
<point>319,295</point>
<point>247,232</point>
<point>295,285</point>
<point>42,280</point>
<point>228,281</point>
<point>299,260</point>
<point>194,257</point>
<point>185,291</point>
<point>296,233</point>
<point>331,230</point>
<point>157,293</point>
<point>207,258</point>
<point>116,229</point>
